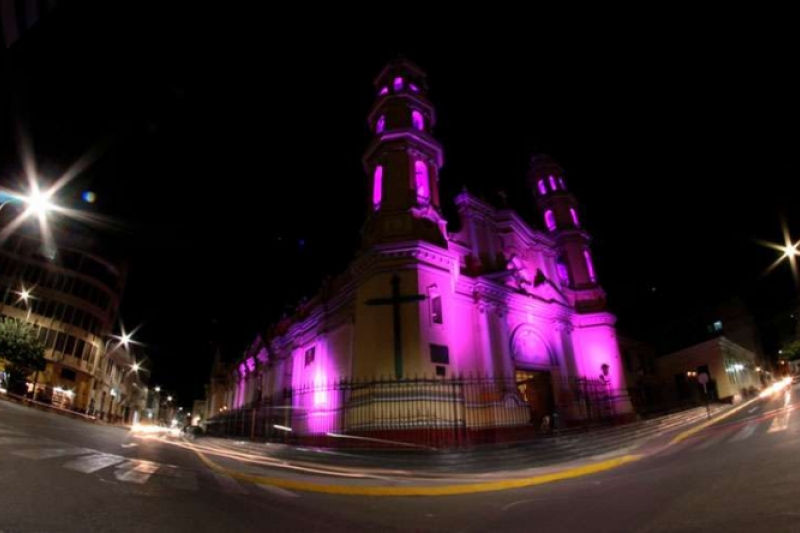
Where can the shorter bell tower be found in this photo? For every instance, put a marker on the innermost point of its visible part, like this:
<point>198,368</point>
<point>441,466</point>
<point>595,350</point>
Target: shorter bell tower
<point>560,213</point>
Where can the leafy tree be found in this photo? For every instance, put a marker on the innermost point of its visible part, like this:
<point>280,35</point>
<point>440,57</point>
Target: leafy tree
<point>791,350</point>
<point>23,351</point>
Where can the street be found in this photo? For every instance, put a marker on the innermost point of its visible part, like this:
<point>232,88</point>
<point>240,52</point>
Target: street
<point>59,474</point>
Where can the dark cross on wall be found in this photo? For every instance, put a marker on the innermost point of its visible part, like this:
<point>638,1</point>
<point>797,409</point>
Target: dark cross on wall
<point>396,300</point>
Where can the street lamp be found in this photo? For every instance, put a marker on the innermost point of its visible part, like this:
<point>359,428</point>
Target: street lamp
<point>789,250</point>
<point>158,389</point>
<point>125,339</point>
<point>169,398</point>
<point>36,202</point>
<point>25,296</point>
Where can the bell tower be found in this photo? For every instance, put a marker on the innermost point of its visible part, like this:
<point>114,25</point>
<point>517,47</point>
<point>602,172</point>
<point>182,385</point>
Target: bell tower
<point>402,161</point>
<point>560,213</point>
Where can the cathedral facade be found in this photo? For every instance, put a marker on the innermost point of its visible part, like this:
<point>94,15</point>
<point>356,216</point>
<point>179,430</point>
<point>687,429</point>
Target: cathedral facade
<point>516,308</point>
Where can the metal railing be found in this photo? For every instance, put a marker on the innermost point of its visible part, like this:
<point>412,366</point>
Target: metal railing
<point>425,413</point>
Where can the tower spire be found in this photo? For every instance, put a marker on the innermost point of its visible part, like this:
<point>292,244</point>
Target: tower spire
<point>403,159</point>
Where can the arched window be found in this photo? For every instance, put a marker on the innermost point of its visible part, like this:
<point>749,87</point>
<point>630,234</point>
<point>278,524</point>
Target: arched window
<point>422,182</point>
<point>413,88</point>
<point>574,217</point>
<point>561,182</point>
<point>587,255</point>
<point>398,84</point>
<point>549,220</point>
<point>377,187</point>
<point>384,91</point>
<point>563,273</point>
<point>417,120</point>
<point>542,188</point>
<point>381,124</point>
<point>553,185</point>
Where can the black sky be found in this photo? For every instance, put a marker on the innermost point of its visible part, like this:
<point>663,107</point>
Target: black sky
<point>229,146</point>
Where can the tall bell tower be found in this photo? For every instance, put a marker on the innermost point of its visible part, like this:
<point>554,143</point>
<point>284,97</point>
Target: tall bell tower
<point>560,213</point>
<point>402,161</point>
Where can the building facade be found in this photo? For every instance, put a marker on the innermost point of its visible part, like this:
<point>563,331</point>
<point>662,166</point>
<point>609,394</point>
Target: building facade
<point>734,372</point>
<point>517,309</point>
<point>71,297</point>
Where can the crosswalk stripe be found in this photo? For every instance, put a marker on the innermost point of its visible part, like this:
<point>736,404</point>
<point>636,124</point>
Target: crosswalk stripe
<point>711,441</point>
<point>277,491</point>
<point>93,463</point>
<point>746,432</point>
<point>138,474</point>
<point>48,453</point>
<point>228,484</point>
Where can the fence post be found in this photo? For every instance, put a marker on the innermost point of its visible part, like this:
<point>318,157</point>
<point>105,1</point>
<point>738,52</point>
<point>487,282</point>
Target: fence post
<point>456,441</point>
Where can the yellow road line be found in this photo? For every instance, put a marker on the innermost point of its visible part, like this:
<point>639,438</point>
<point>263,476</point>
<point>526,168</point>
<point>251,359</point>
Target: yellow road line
<point>423,490</point>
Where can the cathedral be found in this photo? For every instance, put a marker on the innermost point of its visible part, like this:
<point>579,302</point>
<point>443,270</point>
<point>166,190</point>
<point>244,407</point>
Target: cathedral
<point>505,321</point>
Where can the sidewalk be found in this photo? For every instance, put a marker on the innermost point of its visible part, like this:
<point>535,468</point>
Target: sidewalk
<point>455,472</point>
<point>48,408</point>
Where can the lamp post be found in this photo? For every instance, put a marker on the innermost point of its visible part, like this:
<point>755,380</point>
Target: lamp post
<point>789,251</point>
<point>37,202</point>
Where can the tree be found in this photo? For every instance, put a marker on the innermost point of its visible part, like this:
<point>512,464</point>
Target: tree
<point>791,350</point>
<point>23,351</point>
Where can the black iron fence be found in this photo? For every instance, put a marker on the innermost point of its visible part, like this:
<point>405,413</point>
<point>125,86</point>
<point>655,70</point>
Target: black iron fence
<point>426,413</point>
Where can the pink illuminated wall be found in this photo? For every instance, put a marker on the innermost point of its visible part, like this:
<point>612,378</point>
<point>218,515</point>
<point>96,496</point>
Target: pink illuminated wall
<point>596,345</point>
<point>549,220</point>
<point>377,187</point>
<point>241,387</point>
<point>417,120</point>
<point>316,399</point>
<point>422,181</point>
<point>398,84</point>
<point>380,125</point>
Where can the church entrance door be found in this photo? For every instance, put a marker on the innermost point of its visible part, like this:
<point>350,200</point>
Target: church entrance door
<point>536,388</point>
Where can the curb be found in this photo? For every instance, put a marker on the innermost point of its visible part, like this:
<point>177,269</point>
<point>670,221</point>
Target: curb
<point>466,488</point>
<point>443,490</point>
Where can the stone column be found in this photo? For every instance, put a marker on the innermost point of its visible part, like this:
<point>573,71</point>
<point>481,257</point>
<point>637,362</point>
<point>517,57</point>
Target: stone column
<point>504,342</point>
<point>488,356</point>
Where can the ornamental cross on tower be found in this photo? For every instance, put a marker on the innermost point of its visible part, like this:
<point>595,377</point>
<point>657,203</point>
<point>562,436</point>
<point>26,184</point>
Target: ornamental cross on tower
<point>396,300</point>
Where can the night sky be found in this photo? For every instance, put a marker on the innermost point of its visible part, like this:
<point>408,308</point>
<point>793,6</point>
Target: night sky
<point>226,146</point>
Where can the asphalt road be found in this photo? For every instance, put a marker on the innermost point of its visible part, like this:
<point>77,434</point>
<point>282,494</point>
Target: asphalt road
<point>58,474</point>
